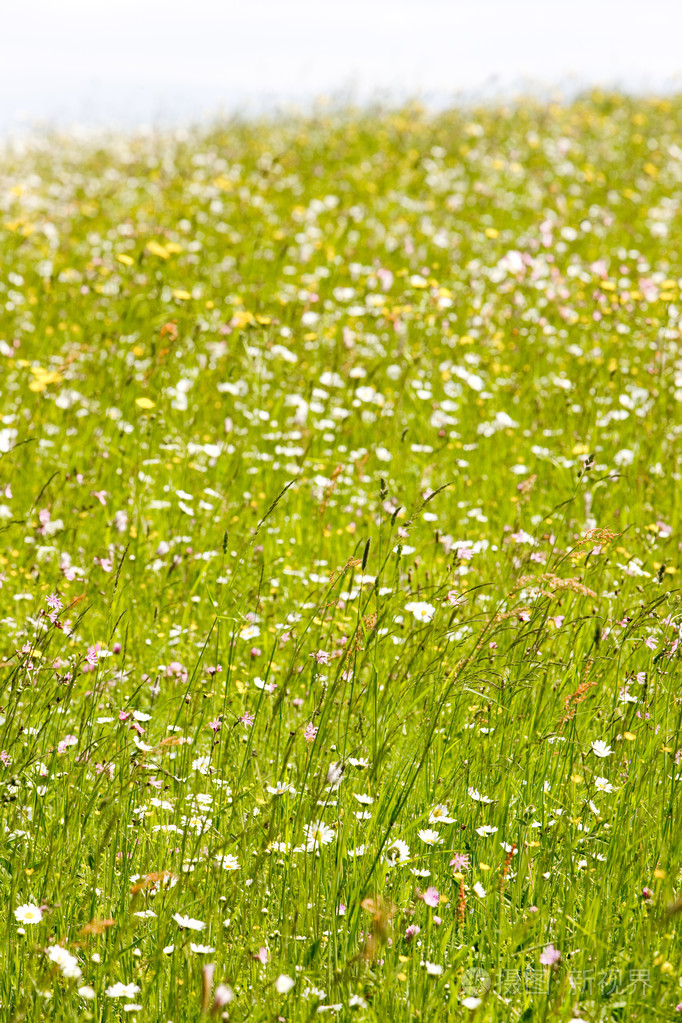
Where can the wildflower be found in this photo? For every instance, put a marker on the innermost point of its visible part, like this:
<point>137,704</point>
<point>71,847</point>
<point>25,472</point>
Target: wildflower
<point>215,725</point>
<point>187,923</point>
<point>201,949</point>
<point>317,834</point>
<point>28,914</point>
<point>57,954</point>
<point>227,861</point>
<point>433,969</point>
<point>322,657</point>
<point>202,765</point>
<point>281,788</point>
<point>68,740</point>
<point>283,984</point>
<point>250,632</point>
<point>460,861</point>
<point>471,1002</point>
<point>431,897</point>
<point>221,996</point>
<point>440,815</point>
<point>54,602</point>
<point>422,611</point>
<point>485,830</point>
<point>412,931</point>
<point>603,784</point>
<point>480,890</point>
<point>262,955</point>
<point>310,733</point>
<point>601,748</point>
<point>87,992</point>
<point>397,852</point>
<point>550,956</point>
<point>247,719</point>
<point>478,797</point>
<point>429,836</point>
<point>120,990</point>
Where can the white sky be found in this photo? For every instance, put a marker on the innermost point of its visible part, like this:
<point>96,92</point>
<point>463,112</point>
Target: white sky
<point>131,62</point>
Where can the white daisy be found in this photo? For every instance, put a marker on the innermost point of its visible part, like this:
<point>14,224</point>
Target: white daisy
<point>430,836</point>
<point>421,610</point>
<point>188,923</point>
<point>28,914</point>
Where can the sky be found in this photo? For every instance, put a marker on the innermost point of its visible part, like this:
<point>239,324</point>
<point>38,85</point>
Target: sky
<point>130,63</point>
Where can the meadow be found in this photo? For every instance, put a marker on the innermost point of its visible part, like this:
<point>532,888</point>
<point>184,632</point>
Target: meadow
<point>339,472</point>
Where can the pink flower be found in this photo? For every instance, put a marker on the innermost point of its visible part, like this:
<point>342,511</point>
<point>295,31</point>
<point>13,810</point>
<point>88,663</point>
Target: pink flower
<point>412,931</point>
<point>101,496</point>
<point>215,725</point>
<point>68,740</point>
<point>550,956</point>
<point>54,602</point>
<point>177,669</point>
<point>262,955</point>
<point>431,896</point>
<point>322,657</point>
<point>44,518</point>
<point>651,643</point>
<point>247,719</point>
<point>310,733</point>
<point>460,861</point>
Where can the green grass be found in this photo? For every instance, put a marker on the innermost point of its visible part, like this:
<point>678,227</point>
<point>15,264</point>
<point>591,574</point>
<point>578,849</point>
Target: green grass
<point>350,447</point>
